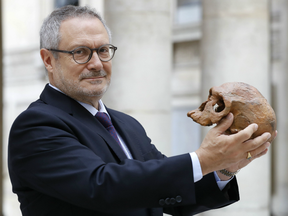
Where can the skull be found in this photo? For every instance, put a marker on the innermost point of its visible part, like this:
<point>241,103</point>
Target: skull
<point>245,102</point>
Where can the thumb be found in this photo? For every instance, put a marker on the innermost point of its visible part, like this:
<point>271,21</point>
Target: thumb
<point>225,123</point>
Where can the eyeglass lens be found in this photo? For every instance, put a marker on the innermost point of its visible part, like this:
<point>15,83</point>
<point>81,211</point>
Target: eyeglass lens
<point>83,54</point>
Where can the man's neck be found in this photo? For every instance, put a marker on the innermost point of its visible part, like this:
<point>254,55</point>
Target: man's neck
<point>91,103</point>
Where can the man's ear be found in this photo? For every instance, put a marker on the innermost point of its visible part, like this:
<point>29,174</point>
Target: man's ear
<point>48,59</point>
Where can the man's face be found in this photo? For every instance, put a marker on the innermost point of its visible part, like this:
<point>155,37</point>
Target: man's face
<point>84,82</point>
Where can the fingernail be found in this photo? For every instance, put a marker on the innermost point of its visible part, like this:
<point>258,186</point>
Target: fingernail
<point>256,126</point>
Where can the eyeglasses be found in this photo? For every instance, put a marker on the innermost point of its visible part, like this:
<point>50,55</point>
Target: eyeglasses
<point>83,54</point>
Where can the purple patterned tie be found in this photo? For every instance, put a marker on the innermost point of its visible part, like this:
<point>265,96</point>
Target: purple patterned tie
<point>106,122</point>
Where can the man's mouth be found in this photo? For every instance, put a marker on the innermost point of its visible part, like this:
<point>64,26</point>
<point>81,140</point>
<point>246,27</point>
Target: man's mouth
<point>98,77</point>
<point>93,75</point>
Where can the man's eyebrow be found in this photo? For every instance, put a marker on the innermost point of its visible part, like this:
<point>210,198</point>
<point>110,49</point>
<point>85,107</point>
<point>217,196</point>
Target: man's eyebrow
<point>73,46</point>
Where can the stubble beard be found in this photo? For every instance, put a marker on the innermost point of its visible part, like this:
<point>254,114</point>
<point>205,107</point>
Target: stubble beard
<point>73,88</point>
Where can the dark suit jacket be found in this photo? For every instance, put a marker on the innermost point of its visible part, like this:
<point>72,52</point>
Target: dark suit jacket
<point>62,162</point>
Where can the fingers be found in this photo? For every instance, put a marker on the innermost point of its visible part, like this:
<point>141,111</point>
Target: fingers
<point>246,133</point>
<point>258,146</point>
<point>260,150</point>
<point>254,144</point>
<point>275,135</point>
<point>261,153</point>
<point>224,123</point>
<point>256,154</point>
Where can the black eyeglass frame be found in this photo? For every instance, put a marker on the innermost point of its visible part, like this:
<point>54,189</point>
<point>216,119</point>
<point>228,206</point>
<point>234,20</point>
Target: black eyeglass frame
<point>91,53</point>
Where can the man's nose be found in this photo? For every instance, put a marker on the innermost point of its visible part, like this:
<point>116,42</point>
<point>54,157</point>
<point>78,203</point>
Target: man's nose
<point>95,62</point>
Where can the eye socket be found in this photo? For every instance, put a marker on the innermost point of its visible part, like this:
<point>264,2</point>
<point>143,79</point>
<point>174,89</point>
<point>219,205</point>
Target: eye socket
<point>215,107</point>
<point>219,106</point>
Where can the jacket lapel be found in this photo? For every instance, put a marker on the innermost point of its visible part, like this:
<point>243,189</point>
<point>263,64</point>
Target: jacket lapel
<point>93,124</point>
<point>127,135</point>
<point>71,106</point>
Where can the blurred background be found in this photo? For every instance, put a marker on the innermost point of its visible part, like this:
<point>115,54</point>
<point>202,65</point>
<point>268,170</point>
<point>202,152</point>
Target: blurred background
<point>170,53</point>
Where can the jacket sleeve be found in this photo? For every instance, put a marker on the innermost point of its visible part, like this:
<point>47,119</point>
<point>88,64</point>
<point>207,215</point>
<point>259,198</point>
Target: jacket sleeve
<point>47,157</point>
<point>208,197</point>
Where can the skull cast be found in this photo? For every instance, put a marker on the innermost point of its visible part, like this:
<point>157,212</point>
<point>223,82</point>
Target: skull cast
<point>245,102</point>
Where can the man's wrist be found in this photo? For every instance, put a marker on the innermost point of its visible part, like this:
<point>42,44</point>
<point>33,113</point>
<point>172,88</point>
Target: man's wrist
<point>225,175</point>
<point>205,167</point>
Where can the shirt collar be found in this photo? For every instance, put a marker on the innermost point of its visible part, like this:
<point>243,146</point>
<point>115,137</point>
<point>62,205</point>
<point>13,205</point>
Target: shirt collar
<point>88,107</point>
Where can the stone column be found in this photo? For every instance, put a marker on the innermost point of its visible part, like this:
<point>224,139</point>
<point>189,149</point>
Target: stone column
<point>235,47</point>
<point>279,59</point>
<point>1,114</point>
<point>140,83</point>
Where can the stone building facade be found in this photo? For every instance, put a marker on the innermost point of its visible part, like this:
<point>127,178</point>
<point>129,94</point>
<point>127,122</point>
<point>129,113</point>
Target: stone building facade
<point>170,52</point>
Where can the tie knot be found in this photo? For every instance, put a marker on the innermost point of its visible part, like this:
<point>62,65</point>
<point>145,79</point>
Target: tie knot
<point>104,119</point>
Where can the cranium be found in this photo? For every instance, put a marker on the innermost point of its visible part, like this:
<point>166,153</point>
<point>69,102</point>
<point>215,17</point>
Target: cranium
<point>245,102</point>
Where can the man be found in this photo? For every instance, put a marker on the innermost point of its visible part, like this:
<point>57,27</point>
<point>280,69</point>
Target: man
<point>66,158</point>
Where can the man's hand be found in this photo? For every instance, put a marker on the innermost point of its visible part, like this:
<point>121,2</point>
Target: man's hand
<point>219,150</point>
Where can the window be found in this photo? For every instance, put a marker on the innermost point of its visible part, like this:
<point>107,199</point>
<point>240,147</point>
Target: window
<point>61,3</point>
<point>188,11</point>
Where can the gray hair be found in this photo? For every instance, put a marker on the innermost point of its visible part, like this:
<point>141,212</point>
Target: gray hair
<point>50,31</point>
